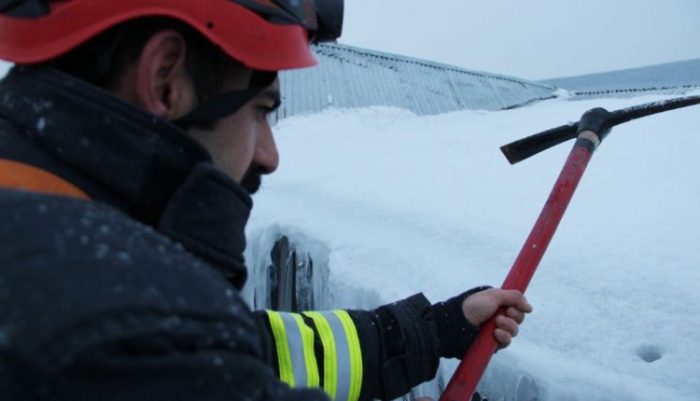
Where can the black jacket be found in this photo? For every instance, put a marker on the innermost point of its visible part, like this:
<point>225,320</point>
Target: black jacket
<point>135,295</point>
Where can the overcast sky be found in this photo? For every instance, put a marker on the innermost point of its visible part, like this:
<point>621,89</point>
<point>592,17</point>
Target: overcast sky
<point>532,39</point>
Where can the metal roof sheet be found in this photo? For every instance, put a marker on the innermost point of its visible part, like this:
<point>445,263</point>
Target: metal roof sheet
<point>349,77</point>
<point>675,78</point>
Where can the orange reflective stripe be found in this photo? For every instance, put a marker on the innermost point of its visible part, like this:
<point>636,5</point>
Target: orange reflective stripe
<point>19,175</point>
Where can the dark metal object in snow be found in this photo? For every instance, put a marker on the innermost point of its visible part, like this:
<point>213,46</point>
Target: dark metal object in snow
<point>532,145</point>
<point>592,128</point>
<point>289,285</point>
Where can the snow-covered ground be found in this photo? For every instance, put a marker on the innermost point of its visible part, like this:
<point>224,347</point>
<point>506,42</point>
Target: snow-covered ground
<point>397,204</point>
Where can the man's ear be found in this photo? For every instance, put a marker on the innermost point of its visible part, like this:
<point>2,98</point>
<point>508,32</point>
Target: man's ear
<point>163,87</point>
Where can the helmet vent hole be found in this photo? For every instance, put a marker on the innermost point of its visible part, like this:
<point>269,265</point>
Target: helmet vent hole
<point>210,25</point>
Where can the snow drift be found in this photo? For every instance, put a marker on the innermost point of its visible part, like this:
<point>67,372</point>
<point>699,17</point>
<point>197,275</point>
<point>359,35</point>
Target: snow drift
<point>394,204</point>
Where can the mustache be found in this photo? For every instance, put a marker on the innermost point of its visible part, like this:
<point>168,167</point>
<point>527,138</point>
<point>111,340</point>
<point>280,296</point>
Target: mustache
<point>252,179</point>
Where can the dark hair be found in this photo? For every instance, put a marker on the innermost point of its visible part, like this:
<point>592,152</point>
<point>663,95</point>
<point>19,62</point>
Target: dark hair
<point>102,60</point>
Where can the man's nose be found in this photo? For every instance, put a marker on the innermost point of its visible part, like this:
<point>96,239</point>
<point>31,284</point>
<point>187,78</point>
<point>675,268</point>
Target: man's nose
<point>266,154</point>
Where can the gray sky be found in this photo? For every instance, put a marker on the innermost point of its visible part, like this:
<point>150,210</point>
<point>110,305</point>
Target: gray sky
<point>532,39</point>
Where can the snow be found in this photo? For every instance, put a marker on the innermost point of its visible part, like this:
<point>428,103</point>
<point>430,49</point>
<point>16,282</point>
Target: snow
<point>397,204</point>
<point>4,67</point>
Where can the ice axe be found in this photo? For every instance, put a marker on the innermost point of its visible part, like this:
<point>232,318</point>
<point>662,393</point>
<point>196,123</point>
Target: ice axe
<point>593,127</point>
<point>532,145</point>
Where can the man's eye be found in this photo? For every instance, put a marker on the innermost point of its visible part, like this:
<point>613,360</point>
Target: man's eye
<point>266,110</point>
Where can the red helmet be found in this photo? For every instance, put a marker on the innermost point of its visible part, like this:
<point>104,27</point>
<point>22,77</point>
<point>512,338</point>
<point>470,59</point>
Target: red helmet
<point>268,35</point>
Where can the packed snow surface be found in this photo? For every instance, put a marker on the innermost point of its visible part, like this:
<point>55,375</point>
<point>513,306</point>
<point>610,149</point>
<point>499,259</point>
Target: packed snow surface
<point>401,204</point>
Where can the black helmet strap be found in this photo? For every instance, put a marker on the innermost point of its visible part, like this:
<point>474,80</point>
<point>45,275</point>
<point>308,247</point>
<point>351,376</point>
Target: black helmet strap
<point>227,103</point>
<point>24,8</point>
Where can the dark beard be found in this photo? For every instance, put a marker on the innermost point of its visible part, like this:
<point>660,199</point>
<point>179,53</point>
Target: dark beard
<point>252,179</point>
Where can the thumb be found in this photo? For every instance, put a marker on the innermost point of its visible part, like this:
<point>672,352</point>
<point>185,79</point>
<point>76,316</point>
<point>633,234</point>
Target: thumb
<point>515,299</point>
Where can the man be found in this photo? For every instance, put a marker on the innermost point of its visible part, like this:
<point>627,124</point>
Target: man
<point>131,135</point>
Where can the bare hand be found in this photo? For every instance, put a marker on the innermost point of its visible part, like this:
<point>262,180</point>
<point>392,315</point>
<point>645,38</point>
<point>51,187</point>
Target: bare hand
<point>479,307</point>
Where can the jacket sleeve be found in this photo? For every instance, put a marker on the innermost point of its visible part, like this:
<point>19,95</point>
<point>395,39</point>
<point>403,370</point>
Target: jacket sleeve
<point>361,355</point>
<point>134,370</point>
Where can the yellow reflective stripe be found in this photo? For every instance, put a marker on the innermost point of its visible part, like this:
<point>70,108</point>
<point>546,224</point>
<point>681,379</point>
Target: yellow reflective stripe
<point>330,373</point>
<point>284,356</point>
<point>307,335</point>
<point>355,355</point>
<point>342,354</point>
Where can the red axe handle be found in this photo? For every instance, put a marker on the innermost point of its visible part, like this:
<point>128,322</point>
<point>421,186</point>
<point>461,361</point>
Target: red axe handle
<point>464,381</point>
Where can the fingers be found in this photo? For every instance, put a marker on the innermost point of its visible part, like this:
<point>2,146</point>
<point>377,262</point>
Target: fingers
<point>506,329</point>
<point>515,314</point>
<point>503,337</point>
<point>508,325</point>
<point>479,307</point>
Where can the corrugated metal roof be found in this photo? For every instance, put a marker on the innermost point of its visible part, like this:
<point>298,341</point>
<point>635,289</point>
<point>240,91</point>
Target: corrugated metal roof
<point>675,78</point>
<point>349,77</point>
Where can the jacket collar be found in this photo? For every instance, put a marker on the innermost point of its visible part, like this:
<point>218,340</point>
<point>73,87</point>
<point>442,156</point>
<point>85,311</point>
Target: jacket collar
<point>133,160</point>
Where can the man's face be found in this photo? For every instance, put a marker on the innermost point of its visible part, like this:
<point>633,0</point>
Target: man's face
<point>242,145</point>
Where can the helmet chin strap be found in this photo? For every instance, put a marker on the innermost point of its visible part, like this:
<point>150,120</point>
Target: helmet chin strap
<point>227,103</point>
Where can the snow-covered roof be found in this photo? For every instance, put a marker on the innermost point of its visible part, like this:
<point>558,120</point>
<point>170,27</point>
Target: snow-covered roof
<point>350,77</point>
<point>387,204</point>
<point>675,78</point>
